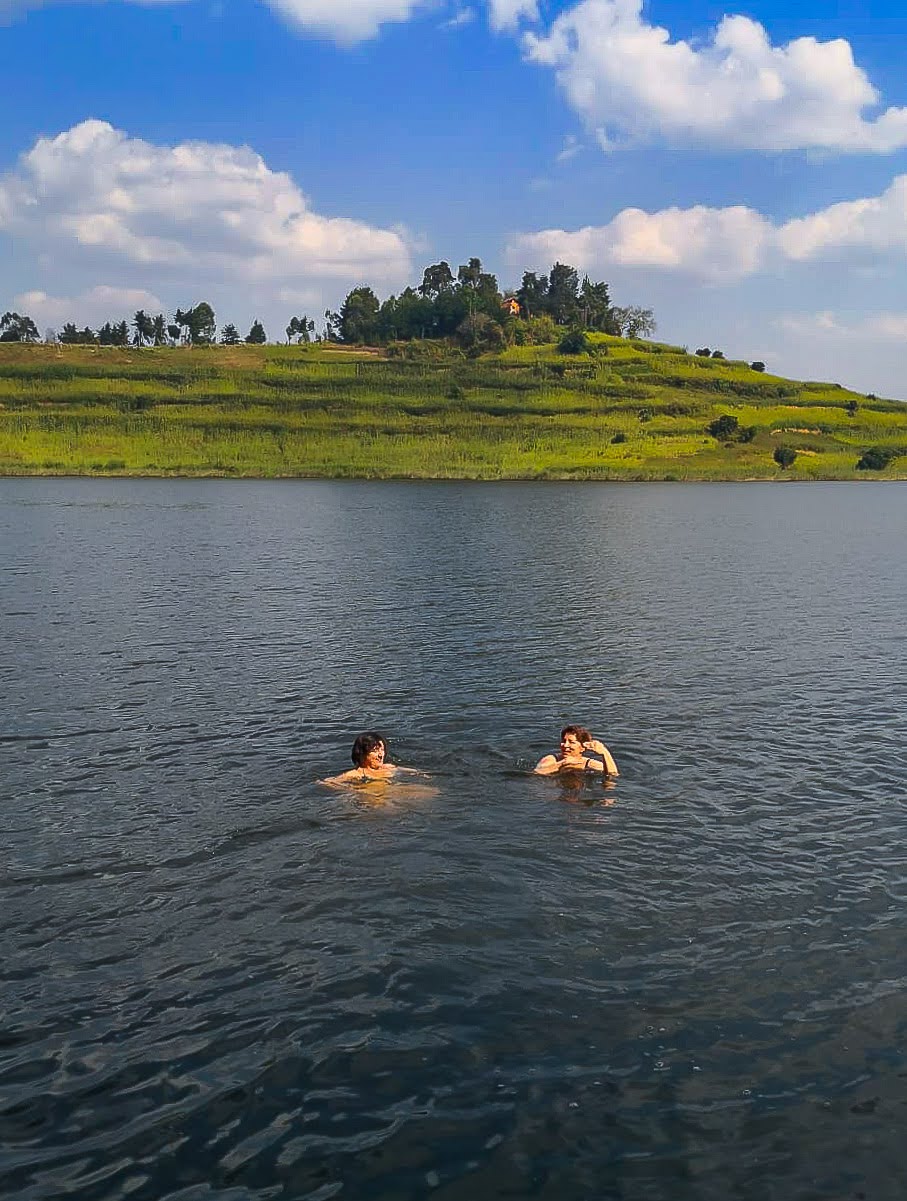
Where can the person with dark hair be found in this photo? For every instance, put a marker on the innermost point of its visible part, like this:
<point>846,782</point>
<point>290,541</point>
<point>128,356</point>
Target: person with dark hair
<point>369,754</point>
<point>579,752</point>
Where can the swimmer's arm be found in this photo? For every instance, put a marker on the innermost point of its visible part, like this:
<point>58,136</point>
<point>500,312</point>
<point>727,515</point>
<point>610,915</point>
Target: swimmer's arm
<point>608,759</point>
<point>354,776</point>
<point>547,766</point>
<point>412,771</point>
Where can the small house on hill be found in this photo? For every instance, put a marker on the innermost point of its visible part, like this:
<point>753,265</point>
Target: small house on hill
<point>511,306</point>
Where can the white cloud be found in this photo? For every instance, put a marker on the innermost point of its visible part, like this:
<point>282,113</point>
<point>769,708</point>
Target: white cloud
<point>876,327</point>
<point>725,244</point>
<point>93,307</point>
<point>877,223</point>
<point>348,22</point>
<point>570,149</point>
<point>92,194</point>
<point>626,77</point>
<point>345,21</point>
<point>463,16</point>
<point>720,244</point>
<point>507,14</point>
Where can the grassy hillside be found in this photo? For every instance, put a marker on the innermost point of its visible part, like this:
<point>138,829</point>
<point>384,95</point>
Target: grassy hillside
<point>631,410</point>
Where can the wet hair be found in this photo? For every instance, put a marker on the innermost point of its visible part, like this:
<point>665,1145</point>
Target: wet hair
<point>364,745</point>
<point>579,731</point>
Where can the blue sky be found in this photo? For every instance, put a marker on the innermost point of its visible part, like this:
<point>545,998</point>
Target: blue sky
<point>740,170</point>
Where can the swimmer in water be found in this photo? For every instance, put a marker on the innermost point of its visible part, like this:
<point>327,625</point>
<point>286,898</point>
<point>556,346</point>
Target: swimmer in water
<point>369,755</point>
<point>579,752</point>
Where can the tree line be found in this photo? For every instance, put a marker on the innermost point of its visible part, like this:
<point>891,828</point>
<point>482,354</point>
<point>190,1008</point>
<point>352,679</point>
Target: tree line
<point>468,308</point>
<point>195,326</point>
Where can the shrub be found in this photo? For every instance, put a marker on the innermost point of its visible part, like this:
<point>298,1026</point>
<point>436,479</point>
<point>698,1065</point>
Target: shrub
<point>784,456</point>
<point>757,366</point>
<point>746,433</point>
<point>704,352</point>
<point>851,408</point>
<point>540,330</point>
<point>876,458</point>
<point>724,427</point>
<point>717,354</point>
<point>644,414</point>
<point>573,342</point>
<point>619,437</point>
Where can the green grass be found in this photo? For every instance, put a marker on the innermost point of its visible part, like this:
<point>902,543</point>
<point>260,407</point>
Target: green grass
<point>333,412</point>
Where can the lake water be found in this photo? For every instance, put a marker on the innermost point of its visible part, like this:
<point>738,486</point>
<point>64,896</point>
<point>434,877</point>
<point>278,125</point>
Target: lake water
<point>221,980</point>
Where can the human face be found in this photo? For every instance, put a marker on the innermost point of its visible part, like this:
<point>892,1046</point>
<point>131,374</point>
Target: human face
<point>375,759</point>
<point>571,747</point>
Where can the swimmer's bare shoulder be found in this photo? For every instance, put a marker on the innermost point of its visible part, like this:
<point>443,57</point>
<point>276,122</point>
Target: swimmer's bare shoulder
<point>547,766</point>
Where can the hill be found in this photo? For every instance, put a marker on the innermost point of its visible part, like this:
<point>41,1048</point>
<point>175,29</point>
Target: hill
<point>630,410</point>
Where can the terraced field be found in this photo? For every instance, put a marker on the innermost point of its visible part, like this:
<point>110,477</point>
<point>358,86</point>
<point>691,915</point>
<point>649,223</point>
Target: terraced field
<point>627,411</point>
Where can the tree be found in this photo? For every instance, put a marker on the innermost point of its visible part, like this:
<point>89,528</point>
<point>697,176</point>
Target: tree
<point>121,334</point>
<point>724,427</point>
<point>229,335</point>
<point>562,301</point>
<point>595,307</point>
<point>198,324</point>
<point>851,408</point>
<point>534,331</point>
<point>634,322</point>
<point>357,321</point>
<point>159,330</point>
<point>436,279</point>
<point>784,456</point>
<point>256,335</point>
<point>533,294</point>
<point>144,328</point>
<point>479,289</point>
<point>202,327</point>
<point>717,354</point>
<point>876,458</point>
<point>478,332</point>
<point>757,366</point>
<point>704,353</point>
<point>15,327</point>
<point>72,336</point>
<point>301,328</point>
<point>574,342</point>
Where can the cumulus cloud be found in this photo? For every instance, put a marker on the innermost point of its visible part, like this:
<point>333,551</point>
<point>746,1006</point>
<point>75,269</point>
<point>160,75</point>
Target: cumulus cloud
<point>507,14</point>
<point>346,21</point>
<point>95,194</point>
<point>92,307</point>
<point>724,244</point>
<point>626,78</point>
<point>877,223</point>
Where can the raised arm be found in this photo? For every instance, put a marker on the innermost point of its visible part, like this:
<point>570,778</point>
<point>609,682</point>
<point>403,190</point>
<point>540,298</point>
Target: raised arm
<point>607,758</point>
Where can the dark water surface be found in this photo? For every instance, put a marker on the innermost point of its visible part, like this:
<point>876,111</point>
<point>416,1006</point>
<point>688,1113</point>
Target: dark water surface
<point>220,980</point>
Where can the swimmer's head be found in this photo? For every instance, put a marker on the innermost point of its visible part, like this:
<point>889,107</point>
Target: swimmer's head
<point>364,745</point>
<point>580,733</point>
